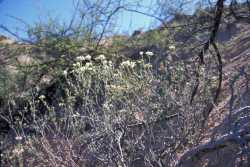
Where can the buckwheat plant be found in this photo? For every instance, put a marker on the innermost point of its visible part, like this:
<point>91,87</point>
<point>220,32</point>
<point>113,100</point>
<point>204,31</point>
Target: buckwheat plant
<point>111,115</point>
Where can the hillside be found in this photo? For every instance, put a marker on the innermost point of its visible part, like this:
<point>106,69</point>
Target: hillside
<point>68,103</point>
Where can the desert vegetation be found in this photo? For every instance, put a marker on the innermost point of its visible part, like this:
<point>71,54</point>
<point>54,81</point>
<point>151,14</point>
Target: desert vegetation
<point>178,94</point>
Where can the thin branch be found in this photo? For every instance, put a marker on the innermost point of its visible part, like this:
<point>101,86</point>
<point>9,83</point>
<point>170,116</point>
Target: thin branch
<point>106,24</point>
<point>4,28</point>
<point>146,14</point>
<point>218,16</point>
<point>217,93</point>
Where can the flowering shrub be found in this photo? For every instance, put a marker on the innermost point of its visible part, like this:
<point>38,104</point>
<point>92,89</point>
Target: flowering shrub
<point>112,116</point>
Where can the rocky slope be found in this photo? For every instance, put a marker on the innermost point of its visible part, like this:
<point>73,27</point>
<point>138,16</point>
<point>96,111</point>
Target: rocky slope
<point>234,45</point>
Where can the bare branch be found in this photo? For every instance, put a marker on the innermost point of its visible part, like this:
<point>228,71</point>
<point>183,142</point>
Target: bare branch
<point>218,16</point>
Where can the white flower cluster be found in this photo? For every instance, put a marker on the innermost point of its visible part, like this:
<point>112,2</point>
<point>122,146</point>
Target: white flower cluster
<point>18,151</point>
<point>18,138</point>
<point>101,57</point>
<point>109,63</point>
<point>83,58</point>
<point>41,97</point>
<point>78,67</point>
<point>171,47</point>
<point>149,53</point>
<point>77,64</point>
<point>128,64</point>
<point>65,73</point>
<point>148,65</point>
<point>87,67</point>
